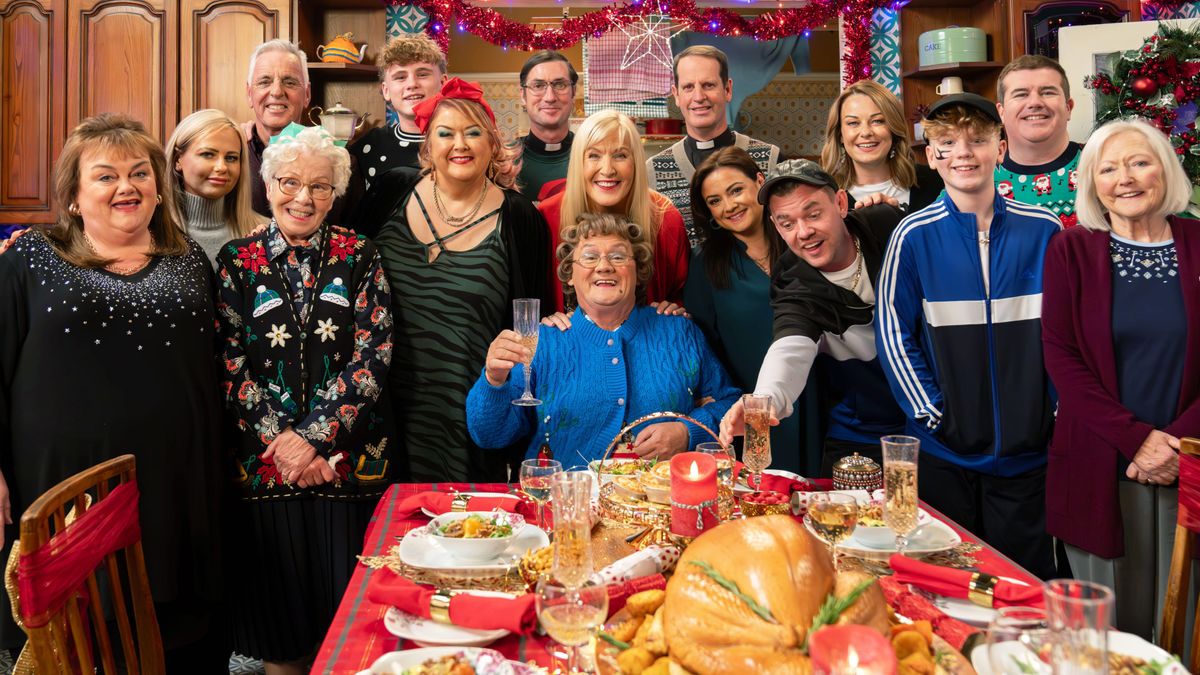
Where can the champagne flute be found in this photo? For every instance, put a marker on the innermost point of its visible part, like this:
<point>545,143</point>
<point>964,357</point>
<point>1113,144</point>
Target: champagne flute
<point>569,615</point>
<point>1017,640</point>
<point>535,482</point>
<point>571,494</point>
<point>526,318</point>
<point>900,486</point>
<point>833,515</point>
<point>756,453</point>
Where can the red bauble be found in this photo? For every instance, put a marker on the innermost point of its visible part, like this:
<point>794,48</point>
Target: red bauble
<point>1144,86</point>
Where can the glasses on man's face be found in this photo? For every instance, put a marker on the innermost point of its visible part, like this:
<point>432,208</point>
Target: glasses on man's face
<point>590,259</point>
<point>538,87</point>
<point>292,187</point>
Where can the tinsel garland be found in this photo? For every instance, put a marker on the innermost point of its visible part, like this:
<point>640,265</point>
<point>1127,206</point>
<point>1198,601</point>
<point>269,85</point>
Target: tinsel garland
<point>495,28</point>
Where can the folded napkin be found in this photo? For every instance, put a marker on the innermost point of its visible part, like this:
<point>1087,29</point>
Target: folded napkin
<point>648,561</point>
<point>439,502</point>
<point>773,483</point>
<point>467,610</point>
<point>954,583</point>
<point>916,608</point>
<point>619,593</point>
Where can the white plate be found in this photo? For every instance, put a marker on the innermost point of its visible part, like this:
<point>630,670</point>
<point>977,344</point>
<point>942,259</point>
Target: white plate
<point>1121,643</point>
<point>396,662</point>
<point>967,611</point>
<point>419,549</point>
<point>741,488</point>
<point>429,633</point>
<point>934,537</point>
<point>474,494</point>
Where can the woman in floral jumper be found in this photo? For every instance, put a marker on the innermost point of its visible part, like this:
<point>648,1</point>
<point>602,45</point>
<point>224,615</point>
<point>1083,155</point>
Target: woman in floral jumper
<point>306,321</point>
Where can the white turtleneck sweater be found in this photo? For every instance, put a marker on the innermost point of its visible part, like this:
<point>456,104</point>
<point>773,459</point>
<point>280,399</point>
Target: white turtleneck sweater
<point>204,221</point>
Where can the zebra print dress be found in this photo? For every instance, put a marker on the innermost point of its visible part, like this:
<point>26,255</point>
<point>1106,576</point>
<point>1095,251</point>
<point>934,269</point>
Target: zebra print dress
<point>446,314</point>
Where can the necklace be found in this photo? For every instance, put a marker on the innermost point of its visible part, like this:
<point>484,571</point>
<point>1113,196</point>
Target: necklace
<point>761,262</point>
<point>457,220</point>
<point>857,270</point>
<point>123,270</point>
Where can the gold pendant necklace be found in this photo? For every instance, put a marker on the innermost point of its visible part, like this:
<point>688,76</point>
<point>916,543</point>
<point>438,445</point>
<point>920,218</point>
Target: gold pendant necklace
<point>857,270</point>
<point>457,220</point>
<point>123,270</point>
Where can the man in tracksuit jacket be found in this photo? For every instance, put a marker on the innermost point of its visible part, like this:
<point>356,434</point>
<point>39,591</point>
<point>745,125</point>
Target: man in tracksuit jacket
<point>959,335</point>
<point>823,299</point>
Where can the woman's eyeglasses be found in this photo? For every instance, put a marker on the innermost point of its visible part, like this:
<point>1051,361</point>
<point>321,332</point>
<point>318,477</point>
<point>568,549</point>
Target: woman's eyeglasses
<point>590,260</point>
<point>292,187</point>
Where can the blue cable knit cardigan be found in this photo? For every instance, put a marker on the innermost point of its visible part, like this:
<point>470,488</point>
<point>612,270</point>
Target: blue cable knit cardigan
<point>593,382</point>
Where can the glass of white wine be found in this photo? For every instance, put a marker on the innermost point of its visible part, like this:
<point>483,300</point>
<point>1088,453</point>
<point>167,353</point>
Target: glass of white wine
<point>570,615</point>
<point>900,486</point>
<point>725,461</point>
<point>833,515</point>
<point>571,495</point>
<point>527,315</point>
<point>756,453</point>
<point>535,477</point>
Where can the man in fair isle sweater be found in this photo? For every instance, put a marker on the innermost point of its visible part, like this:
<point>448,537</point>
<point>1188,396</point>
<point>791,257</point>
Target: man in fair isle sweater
<point>1034,101</point>
<point>702,90</point>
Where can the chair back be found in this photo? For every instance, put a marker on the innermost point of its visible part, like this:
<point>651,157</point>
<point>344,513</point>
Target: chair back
<point>63,567</point>
<point>1175,605</point>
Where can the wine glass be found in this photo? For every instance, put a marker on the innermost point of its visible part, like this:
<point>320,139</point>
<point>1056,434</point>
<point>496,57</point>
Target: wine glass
<point>833,515</point>
<point>1079,614</point>
<point>527,314</point>
<point>756,453</point>
<point>535,481</point>
<point>571,494</point>
<point>900,486</point>
<point>725,462</point>
<point>1018,641</point>
<point>570,614</point>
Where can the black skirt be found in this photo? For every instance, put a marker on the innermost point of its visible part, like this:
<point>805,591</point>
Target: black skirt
<point>289,562</point>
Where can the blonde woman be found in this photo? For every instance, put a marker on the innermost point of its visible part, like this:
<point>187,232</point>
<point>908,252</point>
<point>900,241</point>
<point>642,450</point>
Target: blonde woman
<point>867,150</point>
<point>210,178</point>
<point>607,174</point>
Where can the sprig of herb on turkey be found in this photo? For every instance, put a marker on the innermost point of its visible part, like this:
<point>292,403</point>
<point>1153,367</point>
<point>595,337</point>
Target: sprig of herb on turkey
<point>727,584</point>
<point>832,608</point>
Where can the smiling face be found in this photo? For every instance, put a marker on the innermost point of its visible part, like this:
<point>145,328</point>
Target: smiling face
<point>810,220</point>
<point>116,190</point>
<point>865,133</point>
<point>299,215</point>
<point>406,85</point>
<point>1129,178</point>
<point>608,170</point>
<point>607,290</point>
<point>702,96</point>
<point>212,164</point>
<point>1035,109</point>
<point>459,149</point>
<point>965,159</point>
<point>732,198</point>
<point>276,91</point>
<point>550,110</point>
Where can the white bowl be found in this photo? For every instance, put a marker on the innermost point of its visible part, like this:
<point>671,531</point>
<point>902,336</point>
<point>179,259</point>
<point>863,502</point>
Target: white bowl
<point>606,476</point>
<point>875,537</point>
<point>475,549</point>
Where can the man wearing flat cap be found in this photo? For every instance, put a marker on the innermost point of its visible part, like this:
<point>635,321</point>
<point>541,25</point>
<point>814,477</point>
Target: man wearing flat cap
<point>959,336</point>
<point>823,297</point>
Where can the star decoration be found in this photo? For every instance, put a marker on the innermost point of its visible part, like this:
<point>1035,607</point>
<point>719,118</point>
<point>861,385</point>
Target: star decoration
<point>326,329</point>
<point>279,335</point>
<point>649,38</point>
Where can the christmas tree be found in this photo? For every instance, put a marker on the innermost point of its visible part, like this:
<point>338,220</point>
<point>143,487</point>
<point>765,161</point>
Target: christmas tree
<point>1159,82</point>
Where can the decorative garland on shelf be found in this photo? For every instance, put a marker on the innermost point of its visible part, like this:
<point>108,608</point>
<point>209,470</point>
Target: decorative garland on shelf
<point>495,28</point>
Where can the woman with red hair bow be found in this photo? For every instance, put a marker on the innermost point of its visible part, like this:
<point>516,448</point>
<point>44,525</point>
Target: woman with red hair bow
<point>458,245</point>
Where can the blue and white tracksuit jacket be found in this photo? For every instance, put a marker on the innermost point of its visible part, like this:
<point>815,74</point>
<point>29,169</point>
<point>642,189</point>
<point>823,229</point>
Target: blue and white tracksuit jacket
<point>961,342</point>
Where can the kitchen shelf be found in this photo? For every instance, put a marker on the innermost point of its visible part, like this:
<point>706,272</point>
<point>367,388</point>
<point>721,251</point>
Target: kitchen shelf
<point>943,69</point>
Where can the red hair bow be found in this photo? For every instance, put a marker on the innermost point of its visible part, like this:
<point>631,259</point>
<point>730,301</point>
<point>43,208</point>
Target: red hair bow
<point>453,88</point>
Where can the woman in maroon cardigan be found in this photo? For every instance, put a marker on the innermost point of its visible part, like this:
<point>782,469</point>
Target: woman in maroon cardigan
<point>1121,331</point>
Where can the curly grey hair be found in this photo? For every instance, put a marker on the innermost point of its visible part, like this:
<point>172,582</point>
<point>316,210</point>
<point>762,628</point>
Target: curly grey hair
<point>312,142</point>
<point>589,225</point>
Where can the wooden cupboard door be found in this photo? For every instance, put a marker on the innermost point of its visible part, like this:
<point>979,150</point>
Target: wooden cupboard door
<point>216,40</point>
<point>31,107</point>
<point>123,58</point>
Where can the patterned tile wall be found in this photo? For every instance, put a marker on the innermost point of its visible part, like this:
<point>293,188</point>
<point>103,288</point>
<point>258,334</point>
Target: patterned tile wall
<point>885,49</point>
<point>791,113</point>
<point>1187,10</point>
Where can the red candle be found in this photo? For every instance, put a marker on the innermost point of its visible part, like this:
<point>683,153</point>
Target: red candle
<point>843,650</point>
<point>693,493</point>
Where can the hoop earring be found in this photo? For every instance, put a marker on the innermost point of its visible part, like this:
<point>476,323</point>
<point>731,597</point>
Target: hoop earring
<point>73,209</point>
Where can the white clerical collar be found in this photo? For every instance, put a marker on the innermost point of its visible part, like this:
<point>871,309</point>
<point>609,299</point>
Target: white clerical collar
<point>706,145</point>
<point>553,147</point>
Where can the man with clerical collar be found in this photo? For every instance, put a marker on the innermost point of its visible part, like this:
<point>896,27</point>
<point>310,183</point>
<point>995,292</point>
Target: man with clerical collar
<point>411,69</point>
<point>278,91</point>
<point>1034,100</point>
<point>548,96</point>
<point>702,90</point>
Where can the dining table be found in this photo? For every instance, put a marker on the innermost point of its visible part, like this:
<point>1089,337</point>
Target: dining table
<point>357,636</point>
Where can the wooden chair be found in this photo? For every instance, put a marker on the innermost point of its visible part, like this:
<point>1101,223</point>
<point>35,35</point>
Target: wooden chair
<point>69,642</point>
<point>1175,604</point>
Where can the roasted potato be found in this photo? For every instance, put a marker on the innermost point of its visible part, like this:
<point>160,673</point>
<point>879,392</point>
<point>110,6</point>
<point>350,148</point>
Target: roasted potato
<point>646,602</point>
<point>634,661</point>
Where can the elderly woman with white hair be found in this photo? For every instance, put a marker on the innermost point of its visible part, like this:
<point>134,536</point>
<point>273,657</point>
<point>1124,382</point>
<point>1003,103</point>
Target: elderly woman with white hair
<point>1120,320</point>
<point>305,313</point>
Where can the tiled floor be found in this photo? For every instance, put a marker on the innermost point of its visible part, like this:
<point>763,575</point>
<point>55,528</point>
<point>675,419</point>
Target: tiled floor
<point>238,665</point>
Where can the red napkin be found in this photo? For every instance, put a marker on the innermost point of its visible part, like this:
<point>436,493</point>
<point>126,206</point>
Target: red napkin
<point>955,583</point>
<point>518,614</point>
<point>439,503</point>
<point>916,607</point>
<point>619,593</point>
<point>773,483</point>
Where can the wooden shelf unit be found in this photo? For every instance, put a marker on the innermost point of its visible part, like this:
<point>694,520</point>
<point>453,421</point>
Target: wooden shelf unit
<point>356,85</point>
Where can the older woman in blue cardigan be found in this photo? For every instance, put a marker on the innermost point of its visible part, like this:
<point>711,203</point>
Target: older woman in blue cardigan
<point>618,361</point>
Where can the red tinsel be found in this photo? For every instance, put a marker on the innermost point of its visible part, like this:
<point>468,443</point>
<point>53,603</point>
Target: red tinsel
<point>498,30</point>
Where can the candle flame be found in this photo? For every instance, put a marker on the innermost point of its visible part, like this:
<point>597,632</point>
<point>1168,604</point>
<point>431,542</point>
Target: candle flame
<point>851,659</point>
<point>695,470</point>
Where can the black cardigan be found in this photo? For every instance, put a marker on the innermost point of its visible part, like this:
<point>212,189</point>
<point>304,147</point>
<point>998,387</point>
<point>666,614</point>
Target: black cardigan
<point>524,230</point>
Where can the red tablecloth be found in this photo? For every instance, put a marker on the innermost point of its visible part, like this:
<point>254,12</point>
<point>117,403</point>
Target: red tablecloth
<point>356,638</point>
